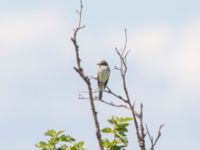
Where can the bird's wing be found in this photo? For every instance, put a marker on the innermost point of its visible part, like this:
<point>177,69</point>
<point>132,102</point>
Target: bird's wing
<point>105,84</point>
<point>99,83</point>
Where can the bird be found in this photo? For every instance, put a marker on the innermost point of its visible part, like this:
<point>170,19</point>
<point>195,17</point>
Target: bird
<point>103,74</point>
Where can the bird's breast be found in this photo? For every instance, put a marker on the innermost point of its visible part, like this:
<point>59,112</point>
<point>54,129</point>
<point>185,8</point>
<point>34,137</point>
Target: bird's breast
<point>103,74</point>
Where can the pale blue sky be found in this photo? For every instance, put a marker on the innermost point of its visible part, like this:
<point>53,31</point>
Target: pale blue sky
<point>39,88</point>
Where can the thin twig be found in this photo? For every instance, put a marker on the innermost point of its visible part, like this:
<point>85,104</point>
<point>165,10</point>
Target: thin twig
<point>113,104</point>
<point>125,42</point>
<point>109,91</point>
<point>150,137</point>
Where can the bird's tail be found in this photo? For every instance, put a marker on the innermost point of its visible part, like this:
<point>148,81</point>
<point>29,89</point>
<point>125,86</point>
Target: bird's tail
<point>100,95</point>
<point>100,85</point>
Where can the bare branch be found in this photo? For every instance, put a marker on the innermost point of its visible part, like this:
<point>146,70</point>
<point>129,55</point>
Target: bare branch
<point>153,143</point>
<point>140,142</point>
<point>85,78</point>
<point>109,91</point>
<point>74,38</point>
<point>113,104</point>
<point>150,138</point>
<point>123,69</point>
<point>142,134</point>
<point>159,134</point>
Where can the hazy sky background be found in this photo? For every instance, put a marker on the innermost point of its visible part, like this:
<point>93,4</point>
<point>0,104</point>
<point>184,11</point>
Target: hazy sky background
<point>39,88</point>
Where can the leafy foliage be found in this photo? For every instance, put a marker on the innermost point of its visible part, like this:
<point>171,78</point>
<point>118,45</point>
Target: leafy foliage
<point>119,130</point>
<point>59,141</point>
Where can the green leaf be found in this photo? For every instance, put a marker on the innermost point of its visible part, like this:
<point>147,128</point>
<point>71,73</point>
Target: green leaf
<point>52,142</point>
<point>122,129</point>
<point>124,125</point>
<point>60,132</point>
<point>116,147</point>
<point>125,119</point>
<point>41,144</point>
<point>59,141</point>
<point>106,143</point>
<point>113,120</point>
<point>107,130</point>
<point>123,139</point>
<point>51,133</point>
<point>63,147</point>
<point>66,138</point>
<point>119,131</point>
<point>81,144</point>
<point>78,146</point>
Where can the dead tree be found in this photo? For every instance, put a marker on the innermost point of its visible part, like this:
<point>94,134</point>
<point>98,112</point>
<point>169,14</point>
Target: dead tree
<point>126,102</point>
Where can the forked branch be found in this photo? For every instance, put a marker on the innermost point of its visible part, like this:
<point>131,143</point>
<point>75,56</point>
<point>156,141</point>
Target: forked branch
<point>154,142</point>
<point>138,117</point>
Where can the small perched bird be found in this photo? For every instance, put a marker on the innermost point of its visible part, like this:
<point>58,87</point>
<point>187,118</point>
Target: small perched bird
<point>103,74</point>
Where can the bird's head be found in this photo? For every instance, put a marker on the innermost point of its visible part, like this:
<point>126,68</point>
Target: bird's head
<point>102,63</point>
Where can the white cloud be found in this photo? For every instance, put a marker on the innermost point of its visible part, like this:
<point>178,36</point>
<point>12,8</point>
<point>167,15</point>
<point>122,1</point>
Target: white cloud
<point>30,36</point>
<point>169,51</point>
<point>17,30</point>
<point>151,39</point>
<point>32,46</point>
<point>187,53</point>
